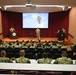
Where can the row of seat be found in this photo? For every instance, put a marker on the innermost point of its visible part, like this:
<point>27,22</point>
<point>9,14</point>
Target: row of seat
<point>35,54</point>
<point>31,72</point>
<point>35,49</point>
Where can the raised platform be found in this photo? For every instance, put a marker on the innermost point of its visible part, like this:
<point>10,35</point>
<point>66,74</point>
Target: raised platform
<point>67,41</point>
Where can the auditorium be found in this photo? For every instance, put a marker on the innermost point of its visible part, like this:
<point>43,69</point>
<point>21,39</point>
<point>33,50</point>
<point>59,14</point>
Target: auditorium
<point>37,37</point>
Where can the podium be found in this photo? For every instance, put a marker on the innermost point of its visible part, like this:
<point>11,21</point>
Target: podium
<point>13,35</point>
<point>61,35</point>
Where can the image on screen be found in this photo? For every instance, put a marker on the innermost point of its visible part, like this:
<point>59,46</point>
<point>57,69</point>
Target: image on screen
<point>34,20</point>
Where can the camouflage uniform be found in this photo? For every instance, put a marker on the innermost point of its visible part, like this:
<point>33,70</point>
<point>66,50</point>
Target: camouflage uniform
<point>63,60</point>
<point>22,60</point>
<point>5,59</point>
<point>44,61</point>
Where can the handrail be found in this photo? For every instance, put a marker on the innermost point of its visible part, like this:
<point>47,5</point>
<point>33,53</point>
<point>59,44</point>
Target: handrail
<point>70,35</point>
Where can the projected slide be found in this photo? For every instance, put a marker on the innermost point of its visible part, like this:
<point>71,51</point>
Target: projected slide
<point>34,20</point>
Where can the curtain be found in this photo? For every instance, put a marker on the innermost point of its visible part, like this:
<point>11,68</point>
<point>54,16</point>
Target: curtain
<point>57,21</point>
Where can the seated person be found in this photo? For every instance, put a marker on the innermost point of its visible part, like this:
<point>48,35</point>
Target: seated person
<point>63,47</point>
<point>22,58</point>
<point>54,46</point>
<point>63,59</point>
<point>45,59</point>
<point>3,57</point>
<point>39,44</point>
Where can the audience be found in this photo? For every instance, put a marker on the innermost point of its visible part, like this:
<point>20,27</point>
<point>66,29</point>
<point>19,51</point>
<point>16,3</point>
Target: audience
<point>22,58</point>
<point>44,60</point>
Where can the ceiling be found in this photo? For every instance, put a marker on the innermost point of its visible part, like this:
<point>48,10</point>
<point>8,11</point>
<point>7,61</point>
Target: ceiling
<point>23,8</point>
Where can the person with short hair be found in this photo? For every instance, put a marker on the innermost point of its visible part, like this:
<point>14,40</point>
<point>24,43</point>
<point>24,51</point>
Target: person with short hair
<point>44,59</point>
<point>63,59</point>
<point>3,57</point>
<point>38,33</point>
<point>22,58</point>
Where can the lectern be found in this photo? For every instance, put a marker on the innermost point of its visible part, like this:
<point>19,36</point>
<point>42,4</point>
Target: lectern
<point>61,35</point>
<point>13,35</point>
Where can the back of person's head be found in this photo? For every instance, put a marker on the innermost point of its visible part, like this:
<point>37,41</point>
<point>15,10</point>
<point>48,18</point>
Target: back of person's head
<point>3,53</point>
<point>17,41</point>
<point>44,55</point>
<point>64,54</point>
<point>22,53</point>
<point>39,40</point>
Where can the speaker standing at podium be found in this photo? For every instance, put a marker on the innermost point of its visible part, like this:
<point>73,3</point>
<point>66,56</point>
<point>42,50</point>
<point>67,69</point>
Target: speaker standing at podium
<point>13,33</point>
<point>61,34</point>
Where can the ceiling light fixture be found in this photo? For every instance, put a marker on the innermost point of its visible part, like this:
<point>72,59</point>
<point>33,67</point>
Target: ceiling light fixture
<point>3,7</point>
<point>30,5</point>
<point>49,6</point>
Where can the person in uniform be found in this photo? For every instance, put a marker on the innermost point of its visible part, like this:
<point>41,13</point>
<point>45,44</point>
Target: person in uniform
<point>44,59</point>
<point>38,33</point>
<point>22,58</point>
<point>3,57</point>
<point>64,60</point>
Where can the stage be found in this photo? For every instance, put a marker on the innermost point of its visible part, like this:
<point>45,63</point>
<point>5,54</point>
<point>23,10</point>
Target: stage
<point>67,41</point>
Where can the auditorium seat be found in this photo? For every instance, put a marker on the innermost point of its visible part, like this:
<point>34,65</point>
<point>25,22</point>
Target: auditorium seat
<point>41,73</point>
<point>54,73</point>
<point>26,49</point>
<point>1,48</point>
<point>47,49</point>
<point>54,50</point>
<point>10,52</point>
<point>17,50</point>
<point>56,55</point>
<point>49,54</point>
<point>74,57</point>
<point>26,72</point>
<point>40,50</point>
<point>73,73</point>
<point>70,54</point>
<point>63,49</point>
<point>32,50</point>
<point>66,73</point>
<point>29,55</point>
<point>9,49</point>
<point>3,71</point>
<point>16,54</point>
<point>39,55</point>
